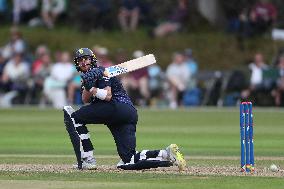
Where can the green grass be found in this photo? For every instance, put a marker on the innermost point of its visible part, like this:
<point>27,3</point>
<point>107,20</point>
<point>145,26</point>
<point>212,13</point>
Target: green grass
<point>34,131</point>
<point>128,180</point>
<point>38,136</point>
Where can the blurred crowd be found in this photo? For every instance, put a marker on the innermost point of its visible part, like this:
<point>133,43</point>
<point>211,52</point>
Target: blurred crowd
<point>245,18</point>
<point>32,12</point>
<point>255,18</point>
<point>51,79</point>
<point>48,78</point>
<point>45,79</point>
<point>262,82</point>
<point>90,15</point>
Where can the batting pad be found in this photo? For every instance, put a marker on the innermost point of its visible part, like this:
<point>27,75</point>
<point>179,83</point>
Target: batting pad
<point>74,136</point>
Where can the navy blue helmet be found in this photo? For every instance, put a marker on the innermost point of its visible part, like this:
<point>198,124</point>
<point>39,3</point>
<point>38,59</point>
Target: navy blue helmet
<point>85,52</point>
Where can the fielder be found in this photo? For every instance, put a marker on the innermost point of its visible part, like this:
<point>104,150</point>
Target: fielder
<point>107,103</point>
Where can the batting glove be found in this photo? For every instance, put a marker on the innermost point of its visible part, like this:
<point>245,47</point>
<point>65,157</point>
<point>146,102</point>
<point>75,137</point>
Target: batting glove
<point>89,78</point>
<point>96,73</point>
<point>88,82</point>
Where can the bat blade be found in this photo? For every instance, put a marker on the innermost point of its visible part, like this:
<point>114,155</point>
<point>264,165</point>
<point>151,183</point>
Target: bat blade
<point>130,65</point>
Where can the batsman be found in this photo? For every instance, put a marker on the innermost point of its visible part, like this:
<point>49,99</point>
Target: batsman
<point>106,102</point>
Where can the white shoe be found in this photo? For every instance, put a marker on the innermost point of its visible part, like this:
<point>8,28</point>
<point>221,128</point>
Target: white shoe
<point>90,164</point>
<point>176,157</point>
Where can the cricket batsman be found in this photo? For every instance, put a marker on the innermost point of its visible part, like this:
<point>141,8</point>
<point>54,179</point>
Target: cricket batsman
<point>106,102</point>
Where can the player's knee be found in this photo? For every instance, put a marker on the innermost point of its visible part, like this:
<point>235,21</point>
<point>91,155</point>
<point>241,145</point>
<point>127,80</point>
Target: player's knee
<point>77,118</point>
<point>69,120</point>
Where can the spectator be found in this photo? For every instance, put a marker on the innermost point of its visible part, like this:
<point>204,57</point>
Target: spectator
<point>24,10</point>
<point>175,21</point>
<point>236,82</point>
<point>262,16</point>
<point>278,92</point>
<point>41,51</point>
<point>257,68</point>
<point>128,15</point>
<point>191,63</point>
<point>51,10</point>
<point>257,19</point>
<point>15,77</point>
<point>146,14</point>
<point>178,76</point>
<point>256,80</point>
<point>74,90</point>
<point>39,73</point>
<point>156,84</point>
<point>3,11</point>
<point>276,58</point>
<point>2,66</point>
<point>102,56</point>
<point>242,26</point>
<point>16,45</point>
<point>121,56</point>
<point>136,83</point>
<point>232,10</point>
<point>55,85</point>
<point>94,14</point>
<point>192,94</point>
<point>193,68</point>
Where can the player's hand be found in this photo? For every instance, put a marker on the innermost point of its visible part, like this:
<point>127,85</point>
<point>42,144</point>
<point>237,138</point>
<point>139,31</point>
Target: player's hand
<point>96,73</point>
<point>89,78</point>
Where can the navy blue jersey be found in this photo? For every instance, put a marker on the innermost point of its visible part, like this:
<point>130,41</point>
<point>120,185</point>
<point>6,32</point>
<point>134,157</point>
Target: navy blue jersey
<point>117,90</point>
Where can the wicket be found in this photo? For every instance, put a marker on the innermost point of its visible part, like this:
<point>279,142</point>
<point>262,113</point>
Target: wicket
<point>246,136</point>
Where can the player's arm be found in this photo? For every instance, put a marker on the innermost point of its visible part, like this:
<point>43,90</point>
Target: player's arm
<point>86,96</point>
<point>103,94</point>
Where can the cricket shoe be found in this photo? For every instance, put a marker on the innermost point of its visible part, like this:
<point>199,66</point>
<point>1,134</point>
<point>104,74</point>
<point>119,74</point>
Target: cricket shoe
<point>176,157</point>
<point>90,164</point>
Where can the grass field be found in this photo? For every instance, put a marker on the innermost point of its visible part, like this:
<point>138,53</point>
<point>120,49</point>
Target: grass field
<point>35,151</point>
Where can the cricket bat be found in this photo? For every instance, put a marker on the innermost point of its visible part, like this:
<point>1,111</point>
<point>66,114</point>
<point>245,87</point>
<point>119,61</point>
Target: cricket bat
<point>130,65</point>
